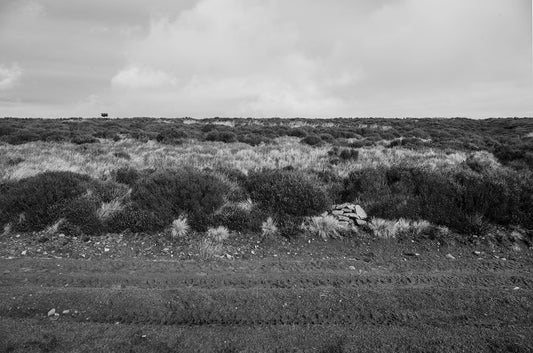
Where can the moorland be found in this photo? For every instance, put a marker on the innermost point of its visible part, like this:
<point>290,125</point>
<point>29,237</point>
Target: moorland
<point>218,235</point>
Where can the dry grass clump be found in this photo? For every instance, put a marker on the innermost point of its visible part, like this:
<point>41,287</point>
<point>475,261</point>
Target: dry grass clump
<point>327,227</point>
<point>383,228</point>
<point>390,229</point>
<point>180,227</point>
<point>218,234</point>
<point>54,228</point>
<point>211,245</point>
<point>209,248</point>
<point>269,228</point>
<point>108,209</point>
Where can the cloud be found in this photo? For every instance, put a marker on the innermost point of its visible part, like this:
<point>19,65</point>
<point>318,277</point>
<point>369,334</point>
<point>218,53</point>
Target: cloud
<point>306,58</point>
<point>9,76</point>
<point>135,77</point>
<point>270,57</point>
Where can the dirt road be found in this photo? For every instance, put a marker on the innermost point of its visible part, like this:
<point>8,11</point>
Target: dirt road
<point>396,301</point>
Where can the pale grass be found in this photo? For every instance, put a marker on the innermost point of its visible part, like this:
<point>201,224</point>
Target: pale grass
<point>180,227</point>
<point>98,160</point>
<point>108,209</point>
<point>246,205</point>
<point>389,229</point>
<point>209,248</point>
<point>54,228</point>
<point>383,228</point>
<point>218,234</point>
<point>269,228</point>
<point>326,227</point>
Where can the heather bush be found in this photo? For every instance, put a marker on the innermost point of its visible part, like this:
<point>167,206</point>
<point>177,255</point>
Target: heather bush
<point>171,193</point>
<point>223,136</point>
<point>234,217</point>
<point>287,193</point>
<point>82,212</point>
<point>171,136</point>
<point>350,154</point>
<point>31,204</point>
<point>83,139</point>
<point>254,139</point>
<point>450,197</point>
<point>297,132</point>
<point>126,175</point>
<point>135,220</point>
<point>312,140</point>
<point>122,155</point>
<point>327,137</point>
<point>20,137</point>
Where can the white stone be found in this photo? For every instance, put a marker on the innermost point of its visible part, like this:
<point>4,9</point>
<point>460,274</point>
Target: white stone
<point>360,212</point>
<point>450,256</point>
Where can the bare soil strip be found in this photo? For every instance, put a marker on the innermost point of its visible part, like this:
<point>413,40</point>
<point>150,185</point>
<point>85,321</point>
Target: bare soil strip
<point>267,305</point>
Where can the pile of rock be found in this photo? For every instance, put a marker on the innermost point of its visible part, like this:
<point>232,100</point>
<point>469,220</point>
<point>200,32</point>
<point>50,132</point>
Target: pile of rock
<point>348,214</point>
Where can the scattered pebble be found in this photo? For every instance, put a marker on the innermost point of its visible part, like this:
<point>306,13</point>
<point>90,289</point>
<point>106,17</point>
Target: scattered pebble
<point>516,288</point>
<point>450,256</point>
<point>23,253</point>
<point>106,249</point>
<point>477,253</point>
<point>51,312</point>
<point>65,312</point>
<point>352,268</point>
<point>411,254</point>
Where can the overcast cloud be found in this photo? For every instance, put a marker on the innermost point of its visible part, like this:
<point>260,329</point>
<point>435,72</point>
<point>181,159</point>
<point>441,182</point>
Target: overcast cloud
<point>263,58</point>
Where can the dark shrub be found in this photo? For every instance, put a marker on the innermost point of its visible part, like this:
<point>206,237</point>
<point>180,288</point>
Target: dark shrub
<point>107,191</point>
<point>171,136</point>
<point>287,193</point>
<point>81,212</point>
<point>349,154</point>
<point>82,139</point>
<point>366,184</point>
<point>233,217</point>
<point>360,143</point>
<point>169,194</point>
<point>223,136</point>
<point>127,175</point>
<point>122,154</point>
<point>327,137</point>
<point>14,161</point>
<point>297,132</point>
<point>311,140</point>
<point>459,198</point>
<point>69,229</point>
<point>37,198</point>
<point>233,174</point>
<point>21,137</point>
<point>136,221</point>
<point>256,218</point>
<point>254,139</point>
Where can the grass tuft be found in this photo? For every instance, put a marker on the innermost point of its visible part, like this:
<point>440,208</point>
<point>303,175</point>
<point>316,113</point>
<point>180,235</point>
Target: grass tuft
<point>180,227</point>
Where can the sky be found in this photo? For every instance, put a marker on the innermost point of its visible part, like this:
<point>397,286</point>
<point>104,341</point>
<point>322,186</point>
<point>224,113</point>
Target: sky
<point>266,58</point>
